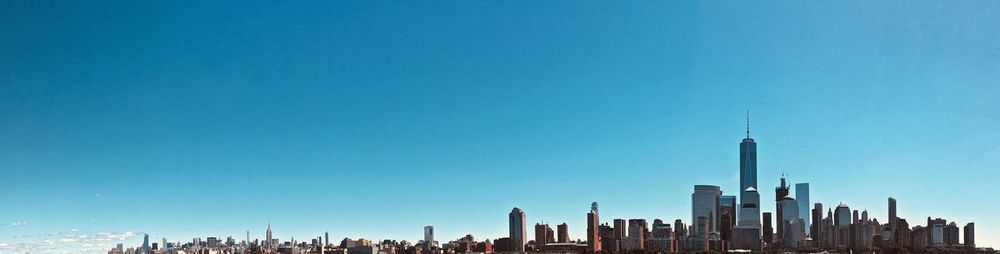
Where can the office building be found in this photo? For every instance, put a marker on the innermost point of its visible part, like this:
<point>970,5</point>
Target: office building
<point>543,234</point>
<point>749,209</point>
<point>817,228</point>
<point>892,217</point>
<point>728,202</point>
<point>636,239</point>
<point>970,235</point>
<point>768,229</point>
<point>429,234</point>
<point>518,230</point>
<point>563,233</point>
<point>842,216</point>
<point>593,222</point>
<point>145,244</point>
<point>791,224</point>
<point>706,205</point>
<point>269,237</point>
<point>802,196</point>
<point>780,193</point>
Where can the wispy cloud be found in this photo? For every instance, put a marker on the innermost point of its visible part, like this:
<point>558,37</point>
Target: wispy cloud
<point>72,241</point>
<point>19,223</point>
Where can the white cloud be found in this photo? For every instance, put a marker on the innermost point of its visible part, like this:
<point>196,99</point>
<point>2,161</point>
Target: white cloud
<point>18,223</point>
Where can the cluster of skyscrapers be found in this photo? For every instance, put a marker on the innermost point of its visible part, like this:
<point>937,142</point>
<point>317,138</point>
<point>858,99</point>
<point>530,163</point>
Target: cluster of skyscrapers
<point>718,223</point>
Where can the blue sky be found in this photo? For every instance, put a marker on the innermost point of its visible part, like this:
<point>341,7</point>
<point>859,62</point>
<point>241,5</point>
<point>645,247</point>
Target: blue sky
<point>372,119</point>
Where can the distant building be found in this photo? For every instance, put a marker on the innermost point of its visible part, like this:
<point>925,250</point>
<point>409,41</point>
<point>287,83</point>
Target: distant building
<point>802,196</point>
<point>842,215</point>
<point>543,234</point>
<point>768,230</point>
<point>609,241</point>
<point>892,218</point>
<point>593,222</point>
<point>518,230</point>
<point>705,203</point>
<point>563,233</point>
<point>730,202</point>
<point>780,193</point>
<point>791,224</point>
<point>636,239</point>
<point>748,160</point>
<point>428,233</point>
<point>817,228</point>
<point>661,236</point>
<point>970,235</point>
<point>749,209</point>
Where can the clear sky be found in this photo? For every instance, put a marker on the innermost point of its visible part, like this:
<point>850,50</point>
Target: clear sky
<point>371,119</point>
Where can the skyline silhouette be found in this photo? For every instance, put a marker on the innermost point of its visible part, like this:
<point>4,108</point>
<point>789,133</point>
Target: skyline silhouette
<point>375,119</point>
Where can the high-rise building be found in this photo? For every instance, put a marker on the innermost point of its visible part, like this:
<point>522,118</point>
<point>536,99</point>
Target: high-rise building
<point>660,237</point>
<point>518,228</point>
<point>730,202</point>
<point>326,239</point>
<point>749,209</point>
<point>705,204</point>
<point>621,228</point>
<point>802,196</point>
<point>269,238</point>
<point>748,160</point>
<point>970,235</point>
<point>816,230</point>
<point>593,222</point>
<point>429,234</point>
<point>609,241</point>
<point>892,218</point>
<point>636,239</point>
<point>563,233</point>
<point>842,215</point>
<point>543,234</point>
<point>780,193</point>
<point>768,230</point>
<point>791,232</point>
<point>145,244</point>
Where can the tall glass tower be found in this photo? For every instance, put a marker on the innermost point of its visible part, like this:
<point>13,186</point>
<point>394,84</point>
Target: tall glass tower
<point>748,160</point>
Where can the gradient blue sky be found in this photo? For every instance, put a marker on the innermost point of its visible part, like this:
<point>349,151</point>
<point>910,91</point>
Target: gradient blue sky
<point>371,119</point>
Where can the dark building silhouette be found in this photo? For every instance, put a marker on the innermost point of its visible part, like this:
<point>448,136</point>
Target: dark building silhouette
<point>779,194</point>
<point>563,233</point>
<point>768,230</point>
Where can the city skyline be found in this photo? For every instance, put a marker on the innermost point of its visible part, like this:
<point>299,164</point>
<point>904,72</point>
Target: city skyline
<point>181,120</point>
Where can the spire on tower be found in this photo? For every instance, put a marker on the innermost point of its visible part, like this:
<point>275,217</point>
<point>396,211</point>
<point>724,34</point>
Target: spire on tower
<point>748,123</point>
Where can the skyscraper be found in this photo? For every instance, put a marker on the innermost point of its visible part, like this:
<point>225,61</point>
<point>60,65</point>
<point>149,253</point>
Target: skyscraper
<point>748,160</point>
<point>802,196</point>
<point>768,230</point>
<point>543,234</point>
<point>518,228</point>
<point>326,239</point>
<point>842,215</point>
<point>727,203</point>
<point>749,209</point>
<point>970,235</point>
<point>892,218</point>
<point>563,233</point>
<point>593,223</point>
<point>145,244</point>
<point>780,193</point>
<point>636,239</point>
<point>791,224</point>
<point>268,243</point>
<point>705,204</point>
<point>429,234</point>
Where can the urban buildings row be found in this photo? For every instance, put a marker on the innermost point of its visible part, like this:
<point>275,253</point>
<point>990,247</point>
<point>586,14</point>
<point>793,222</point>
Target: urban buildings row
<point>718,223</point>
